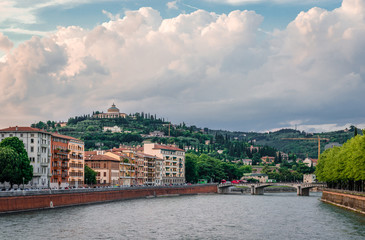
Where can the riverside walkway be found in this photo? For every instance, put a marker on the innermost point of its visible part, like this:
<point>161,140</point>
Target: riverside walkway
<point>258,188</point>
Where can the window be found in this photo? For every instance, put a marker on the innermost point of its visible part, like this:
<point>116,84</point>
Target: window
<point>104,174</point>
<point>31,140</point>
<point>21,135</point>
<point>31,149</point>
<point>2,135</point>
<point>32,135</point>
<point>11,135</point>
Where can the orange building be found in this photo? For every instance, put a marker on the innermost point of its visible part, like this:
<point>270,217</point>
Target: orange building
<point>106,168</point>
<point>76,163</point>
<point>59,161</point>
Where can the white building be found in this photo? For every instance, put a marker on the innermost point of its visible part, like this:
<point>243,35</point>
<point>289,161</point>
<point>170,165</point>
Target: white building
<point>247,161</point>
<point>37,143</point>
<point>310,162</point>
<point>114,129</point>
<point>309,178</point>
<point>172,168</point>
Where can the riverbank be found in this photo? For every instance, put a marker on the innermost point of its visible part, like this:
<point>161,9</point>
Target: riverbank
<point>34,200</point>
<point>350,200</point>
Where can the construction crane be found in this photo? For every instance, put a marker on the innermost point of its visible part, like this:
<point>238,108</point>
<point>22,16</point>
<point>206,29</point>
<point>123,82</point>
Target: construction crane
<point>318,139</point>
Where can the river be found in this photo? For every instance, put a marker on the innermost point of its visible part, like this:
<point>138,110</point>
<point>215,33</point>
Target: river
<point>270,216</point>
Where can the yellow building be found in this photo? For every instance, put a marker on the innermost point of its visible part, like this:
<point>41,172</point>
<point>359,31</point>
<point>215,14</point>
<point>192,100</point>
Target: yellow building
<point>76,162</point>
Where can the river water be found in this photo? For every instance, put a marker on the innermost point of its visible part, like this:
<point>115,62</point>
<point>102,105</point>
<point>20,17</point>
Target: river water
<point>271,216</point>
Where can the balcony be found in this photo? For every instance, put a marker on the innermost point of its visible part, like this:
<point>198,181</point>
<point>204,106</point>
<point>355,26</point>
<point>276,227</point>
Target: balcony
<point>44,164</point>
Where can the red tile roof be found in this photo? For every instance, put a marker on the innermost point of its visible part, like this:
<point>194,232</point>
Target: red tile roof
<point>165,147</point>
<point>99,158</point>
<point>22,129</point>
<point>64,136</point>
<point>90,153</point>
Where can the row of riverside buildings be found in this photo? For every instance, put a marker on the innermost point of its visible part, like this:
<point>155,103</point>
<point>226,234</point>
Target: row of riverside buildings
<point>58,161</point>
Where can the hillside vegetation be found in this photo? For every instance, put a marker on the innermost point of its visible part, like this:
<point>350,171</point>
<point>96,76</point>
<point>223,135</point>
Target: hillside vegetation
<point>233,145</point>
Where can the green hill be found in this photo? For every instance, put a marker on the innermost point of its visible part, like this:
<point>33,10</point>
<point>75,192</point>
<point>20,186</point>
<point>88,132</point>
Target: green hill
<point>135,128</point>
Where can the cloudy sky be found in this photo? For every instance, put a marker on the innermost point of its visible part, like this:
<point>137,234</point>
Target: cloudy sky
<point>246,65</point>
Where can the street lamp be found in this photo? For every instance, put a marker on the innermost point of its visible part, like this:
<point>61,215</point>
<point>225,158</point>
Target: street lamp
<point>23,183</point>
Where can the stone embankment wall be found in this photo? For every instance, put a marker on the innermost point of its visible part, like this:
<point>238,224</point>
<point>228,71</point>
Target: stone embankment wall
<point>350,200</point>
<point>28,200</point>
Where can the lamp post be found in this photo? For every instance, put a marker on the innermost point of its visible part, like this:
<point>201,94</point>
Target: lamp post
<point>23,183</point>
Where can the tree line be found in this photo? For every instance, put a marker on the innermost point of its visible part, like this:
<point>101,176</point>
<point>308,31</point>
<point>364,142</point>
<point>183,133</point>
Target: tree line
<point>211,169</point>
<point>344,167</point>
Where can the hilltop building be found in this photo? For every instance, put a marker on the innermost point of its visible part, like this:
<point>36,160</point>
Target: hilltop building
<point>113,112</point>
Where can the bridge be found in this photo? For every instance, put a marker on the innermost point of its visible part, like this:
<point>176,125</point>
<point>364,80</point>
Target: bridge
<point>258,188</point>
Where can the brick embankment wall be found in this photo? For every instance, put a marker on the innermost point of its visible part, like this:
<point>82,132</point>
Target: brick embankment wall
<point>346,200</point>
<point>32,201</point>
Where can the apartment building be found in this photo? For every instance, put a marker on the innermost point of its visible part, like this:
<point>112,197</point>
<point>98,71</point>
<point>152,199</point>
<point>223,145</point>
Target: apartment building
<point>59,161</point>
<point>172,166</point>
<point>37,143</point>
<point>76,162</point>
<point>106,167</point>
<point>127,166</point>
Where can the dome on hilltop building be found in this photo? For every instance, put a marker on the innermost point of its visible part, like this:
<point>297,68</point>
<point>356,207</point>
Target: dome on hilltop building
<point>113,109</point>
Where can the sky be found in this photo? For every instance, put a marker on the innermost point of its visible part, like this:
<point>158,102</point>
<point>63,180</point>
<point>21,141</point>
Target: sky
<point>242,65</point>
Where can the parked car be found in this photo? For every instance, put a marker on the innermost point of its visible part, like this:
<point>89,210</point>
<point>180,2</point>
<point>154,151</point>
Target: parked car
<point>235,181</point>
<point>223,181</point>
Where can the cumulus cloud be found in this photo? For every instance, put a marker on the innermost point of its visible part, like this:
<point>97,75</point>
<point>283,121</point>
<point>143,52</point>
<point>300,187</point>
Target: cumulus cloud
<point>5,43</point>
<point>202,68</point>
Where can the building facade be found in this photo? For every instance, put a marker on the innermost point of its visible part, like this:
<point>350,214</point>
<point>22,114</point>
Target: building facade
<point>59,161</point>
<point>172,165</point>
<point>37,143</point>
<point>106,168</point>
<point>76,162</point>
<point>309,178</point>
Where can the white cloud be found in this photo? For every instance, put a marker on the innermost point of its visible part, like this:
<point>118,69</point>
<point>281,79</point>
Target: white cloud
<point>202,68</point>
<point>5,43</point>
<point>243,2</point>
<point>172,5</point>
<point>318,128</point>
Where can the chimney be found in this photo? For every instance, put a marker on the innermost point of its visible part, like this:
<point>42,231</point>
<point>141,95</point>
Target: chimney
<point>16,128</point>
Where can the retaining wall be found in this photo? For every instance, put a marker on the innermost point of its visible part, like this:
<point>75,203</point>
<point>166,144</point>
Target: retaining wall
<point>23,201</point>
<point>352,201</point>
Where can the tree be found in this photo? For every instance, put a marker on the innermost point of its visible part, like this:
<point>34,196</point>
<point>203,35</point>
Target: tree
<point>19,162</point>
<point>191,168</point>
<point>90,175</point>
<point>8,168</point>
<point>22,170</point>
